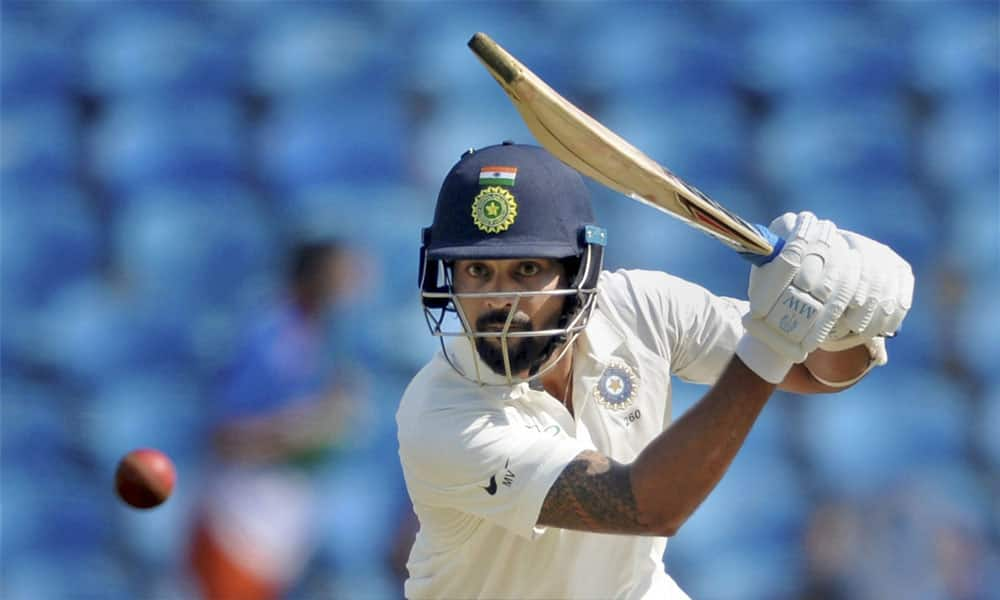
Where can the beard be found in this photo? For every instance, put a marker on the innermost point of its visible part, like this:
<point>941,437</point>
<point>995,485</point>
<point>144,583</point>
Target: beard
<point>525,353</point>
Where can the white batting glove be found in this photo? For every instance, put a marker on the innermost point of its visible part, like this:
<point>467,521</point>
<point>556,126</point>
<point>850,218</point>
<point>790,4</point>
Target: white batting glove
<point>797,298</point>
<point>883,299</point>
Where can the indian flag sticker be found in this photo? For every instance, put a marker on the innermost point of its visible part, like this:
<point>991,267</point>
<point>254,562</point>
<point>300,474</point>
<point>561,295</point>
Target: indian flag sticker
<point>492,175</point>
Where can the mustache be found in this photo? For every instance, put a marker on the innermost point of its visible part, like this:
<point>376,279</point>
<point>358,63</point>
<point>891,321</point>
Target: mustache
<point>498,318</point>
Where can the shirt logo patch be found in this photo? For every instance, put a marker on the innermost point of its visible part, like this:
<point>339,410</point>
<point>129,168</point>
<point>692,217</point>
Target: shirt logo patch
<point>494,209</point>
<point>508,479</point>
<point>617,387</point>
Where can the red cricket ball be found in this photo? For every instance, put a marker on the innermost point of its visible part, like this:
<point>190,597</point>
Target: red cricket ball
<point>145,478</point>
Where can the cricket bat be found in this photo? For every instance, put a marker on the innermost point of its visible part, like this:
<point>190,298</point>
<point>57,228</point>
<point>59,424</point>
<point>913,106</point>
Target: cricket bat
<point>586,145</point>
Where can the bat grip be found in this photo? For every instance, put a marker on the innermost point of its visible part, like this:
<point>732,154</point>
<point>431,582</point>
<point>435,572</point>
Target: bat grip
<point>777,244</point>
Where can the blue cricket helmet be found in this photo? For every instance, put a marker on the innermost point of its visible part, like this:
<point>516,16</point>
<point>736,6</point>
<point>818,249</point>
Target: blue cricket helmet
<point>510,201</point>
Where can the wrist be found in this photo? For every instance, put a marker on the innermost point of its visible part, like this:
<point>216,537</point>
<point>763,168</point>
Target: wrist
<point>762,360</point>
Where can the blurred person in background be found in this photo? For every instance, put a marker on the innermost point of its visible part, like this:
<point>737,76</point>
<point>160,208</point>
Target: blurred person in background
<point>282,408</point>
<point>544,420</point>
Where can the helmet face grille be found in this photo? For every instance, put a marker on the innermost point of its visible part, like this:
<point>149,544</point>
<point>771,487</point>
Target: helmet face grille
<point>445,319</point>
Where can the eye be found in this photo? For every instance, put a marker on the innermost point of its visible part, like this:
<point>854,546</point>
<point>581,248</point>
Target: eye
<point>528,269</point>
<point>477,270</point>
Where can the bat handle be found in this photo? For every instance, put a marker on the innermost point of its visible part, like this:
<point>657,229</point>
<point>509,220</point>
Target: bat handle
<point>777,244</point>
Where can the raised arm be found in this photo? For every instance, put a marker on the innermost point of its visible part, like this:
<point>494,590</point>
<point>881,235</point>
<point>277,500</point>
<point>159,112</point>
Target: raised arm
<point>796,300</point>
<point>657,493</point>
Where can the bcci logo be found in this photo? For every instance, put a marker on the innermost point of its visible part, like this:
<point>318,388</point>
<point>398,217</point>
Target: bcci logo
<point>494,209</point>
<point>617,387</point>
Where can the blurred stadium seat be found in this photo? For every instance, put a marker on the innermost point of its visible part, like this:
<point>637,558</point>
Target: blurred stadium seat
<point>952,48</point>
<point>814,142</point>
<point>157,157</point>
<point>33,65</point>
<point>143,144</point>
<point>978,329</point>
<point>49,240</point>
<point>960,146</point>
<point>838,51</point>
<point>54,510</point>
<point>745,529</point>
<point>971,239</point>
<point>40,140</point>
<point>159,51</point>
<point>654,48</point>
<point>323,141</point>
<point>988,428</point>
<point>872,435</point>
<point>227,251</point>
<point>309,50</point>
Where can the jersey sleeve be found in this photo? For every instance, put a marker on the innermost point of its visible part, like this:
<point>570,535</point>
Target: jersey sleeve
<point>480,463</point>
<point>691,327</point>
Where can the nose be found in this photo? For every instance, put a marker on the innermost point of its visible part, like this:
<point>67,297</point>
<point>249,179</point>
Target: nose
<point>498,287</point>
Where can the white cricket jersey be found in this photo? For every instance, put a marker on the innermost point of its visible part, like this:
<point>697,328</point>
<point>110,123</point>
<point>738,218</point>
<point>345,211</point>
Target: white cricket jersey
<point>479,460</point>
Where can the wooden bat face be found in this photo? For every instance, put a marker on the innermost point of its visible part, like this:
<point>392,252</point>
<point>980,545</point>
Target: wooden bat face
<point>586,145</point>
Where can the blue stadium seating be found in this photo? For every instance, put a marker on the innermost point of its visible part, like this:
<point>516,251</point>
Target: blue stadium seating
<point>988,429</point>
<point>952,48</point>
<point>314,142</point>
<point>826,139</point>
<point>54,510</point>
<point>834,50</point>
<point>228,250</point>
<point>40,140</point>
<point>314,50</point>
<point>154,51</point>
<point>143,144</point>
<point>977,331</point>
<point>960,145</point>
<point>33,66</point>
<point>157,157</point>
<point>654,48</point>
<point>874,433</point>
<point>49,241</point>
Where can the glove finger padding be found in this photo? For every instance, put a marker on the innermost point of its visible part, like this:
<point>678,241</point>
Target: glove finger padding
<point>884,294</point>
<point>843,284</point>
<point>796,299</point>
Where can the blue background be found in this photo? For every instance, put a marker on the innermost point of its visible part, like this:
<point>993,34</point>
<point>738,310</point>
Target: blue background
<point>158,158</point>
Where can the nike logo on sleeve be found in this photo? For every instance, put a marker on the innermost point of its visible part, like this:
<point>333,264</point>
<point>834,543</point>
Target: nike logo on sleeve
<point>491,489</point>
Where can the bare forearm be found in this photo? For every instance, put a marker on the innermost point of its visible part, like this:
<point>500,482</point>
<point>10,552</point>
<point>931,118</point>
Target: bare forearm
<point>678,469</point>
<point>671,476</point>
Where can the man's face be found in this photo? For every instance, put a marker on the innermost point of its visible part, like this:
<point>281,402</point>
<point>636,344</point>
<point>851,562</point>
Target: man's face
<point>533,313</point>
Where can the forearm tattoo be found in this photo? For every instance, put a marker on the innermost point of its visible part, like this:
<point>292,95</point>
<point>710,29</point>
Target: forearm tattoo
<point>593,493</point>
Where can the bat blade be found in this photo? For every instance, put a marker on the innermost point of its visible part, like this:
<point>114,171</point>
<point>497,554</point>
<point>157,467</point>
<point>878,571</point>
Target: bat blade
<point>588,146</point>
